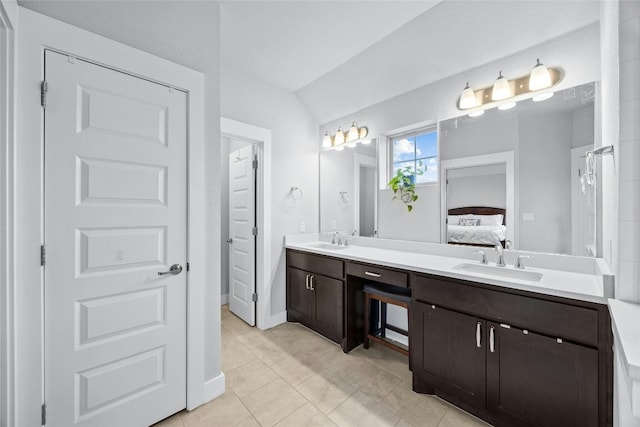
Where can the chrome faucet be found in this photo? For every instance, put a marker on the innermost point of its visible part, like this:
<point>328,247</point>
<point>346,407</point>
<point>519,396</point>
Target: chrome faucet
<point>333,239</point>
<point>484,257</point>
<point>339,241</point>
<point>500,262</point>
<point>519,264</point>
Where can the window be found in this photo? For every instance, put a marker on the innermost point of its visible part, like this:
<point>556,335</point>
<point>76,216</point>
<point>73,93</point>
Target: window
<point>417,151</point>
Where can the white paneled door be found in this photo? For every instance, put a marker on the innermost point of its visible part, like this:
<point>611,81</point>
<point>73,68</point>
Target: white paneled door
<point>242,240</point>
<point>115,217</point>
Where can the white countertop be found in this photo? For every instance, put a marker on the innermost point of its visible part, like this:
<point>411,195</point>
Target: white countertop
<point>567,284</point>
<point>625,317</point>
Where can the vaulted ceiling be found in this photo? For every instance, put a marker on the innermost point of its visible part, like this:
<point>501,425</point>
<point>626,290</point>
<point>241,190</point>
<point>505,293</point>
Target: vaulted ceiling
<point>339,56</point>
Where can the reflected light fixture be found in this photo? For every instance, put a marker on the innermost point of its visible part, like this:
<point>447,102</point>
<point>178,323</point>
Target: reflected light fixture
<point>351,139</point>
<point>507,105</point>
<point>504,93</point>
<point>501,89</point>
<point>326,141</point>
<point>539,78</point>
<point>542,97</point>
<point>476,113</point>
<point>339,138</point>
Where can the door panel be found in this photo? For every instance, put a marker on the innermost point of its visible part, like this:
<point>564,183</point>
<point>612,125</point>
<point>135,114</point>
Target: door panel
<point>242,248</point>
<point>299,297</point>
<point>328,309</point>
<point>450,357</point>
<point>560,379</point>
<point>115,216</point>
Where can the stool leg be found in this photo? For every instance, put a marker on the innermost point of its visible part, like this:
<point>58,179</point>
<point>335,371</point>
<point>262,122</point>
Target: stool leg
<point>367,309</point>
<point>383,319</point>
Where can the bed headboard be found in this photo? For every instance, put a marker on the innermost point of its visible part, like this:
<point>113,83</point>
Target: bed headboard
<point>479,210</point>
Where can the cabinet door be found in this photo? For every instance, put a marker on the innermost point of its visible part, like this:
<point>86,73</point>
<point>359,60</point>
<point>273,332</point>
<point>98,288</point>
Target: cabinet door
<point>299,298</point>
<point>448,352</point>
<point>533,380</point>
<point>328,308</point>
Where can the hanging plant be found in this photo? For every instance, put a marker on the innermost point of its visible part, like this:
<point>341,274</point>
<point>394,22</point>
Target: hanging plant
<point>403,184</point>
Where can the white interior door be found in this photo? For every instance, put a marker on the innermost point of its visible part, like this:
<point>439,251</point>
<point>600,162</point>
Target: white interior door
<point>242,240</point>
<point>115,216</point>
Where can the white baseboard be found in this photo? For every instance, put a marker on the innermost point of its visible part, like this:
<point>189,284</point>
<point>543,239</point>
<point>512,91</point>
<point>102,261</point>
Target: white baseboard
<point>274,320</point>
<point>224,299</point>
<point>214,387</point>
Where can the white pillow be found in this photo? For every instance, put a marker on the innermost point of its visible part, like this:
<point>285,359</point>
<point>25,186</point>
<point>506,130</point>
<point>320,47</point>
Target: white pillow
<point>484,219</point>
<point>489,219</point>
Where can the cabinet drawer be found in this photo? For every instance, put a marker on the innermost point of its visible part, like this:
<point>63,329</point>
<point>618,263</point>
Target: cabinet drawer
<point>551,318</point>
<point>316,264</point>
<point>378,274</point>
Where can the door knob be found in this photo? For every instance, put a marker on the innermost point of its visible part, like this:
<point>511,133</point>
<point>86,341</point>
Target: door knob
<point>229,240</point>
<point>175,269</point>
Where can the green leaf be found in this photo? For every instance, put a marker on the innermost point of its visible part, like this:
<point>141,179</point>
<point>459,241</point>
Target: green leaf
<point>409,208</point>
<point>415,197</point>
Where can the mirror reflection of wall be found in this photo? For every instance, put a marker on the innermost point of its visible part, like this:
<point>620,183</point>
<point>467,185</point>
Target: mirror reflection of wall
<point>348,190</point>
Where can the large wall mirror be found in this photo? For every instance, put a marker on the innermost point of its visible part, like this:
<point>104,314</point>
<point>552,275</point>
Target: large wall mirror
<point>526,163</point>
<point>348,190</point>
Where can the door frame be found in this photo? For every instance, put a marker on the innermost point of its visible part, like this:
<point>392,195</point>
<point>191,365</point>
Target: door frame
<point>8,22</point>
<point>262,138</point>
<point>36,33</point>
<point>506,157</point>
<point>360,160</point>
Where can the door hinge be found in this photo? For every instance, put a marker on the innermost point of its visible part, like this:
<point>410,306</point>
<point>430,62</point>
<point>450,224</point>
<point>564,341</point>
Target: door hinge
<point>254,297</point>
<point>43,93</point>
<point>43,413</point>
<point>254,164</point>
<point>43,255</point>
<point>254,231</point>
<point>188,267</point>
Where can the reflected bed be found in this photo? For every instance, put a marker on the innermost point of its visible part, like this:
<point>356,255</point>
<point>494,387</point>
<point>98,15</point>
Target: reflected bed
<point>476,226</point>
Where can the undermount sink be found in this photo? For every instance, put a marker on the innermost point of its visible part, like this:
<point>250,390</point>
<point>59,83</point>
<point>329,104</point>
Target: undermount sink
<point>328,246</point>
<point>505,272</point>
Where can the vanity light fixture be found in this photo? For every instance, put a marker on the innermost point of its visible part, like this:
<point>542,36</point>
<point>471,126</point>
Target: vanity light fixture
<point>539,78</point>
<point>468,98</point>
<point>501,89</point>
<point>353,137</point>
<point>505,93</point>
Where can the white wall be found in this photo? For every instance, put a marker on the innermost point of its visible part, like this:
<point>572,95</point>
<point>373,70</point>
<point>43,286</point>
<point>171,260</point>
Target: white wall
<point>485,190</point>
<point>544,171</point>
<point>577,53</point>
<point>294,157</point>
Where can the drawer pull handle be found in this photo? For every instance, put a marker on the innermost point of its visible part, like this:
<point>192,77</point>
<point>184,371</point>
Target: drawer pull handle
<point>492,345</point>
<point>478,335</point>
<point>306,281</point>
<point>311,288</point>
<point>369,273</point>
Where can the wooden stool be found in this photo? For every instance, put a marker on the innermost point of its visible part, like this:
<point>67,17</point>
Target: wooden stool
<point>383,295</point>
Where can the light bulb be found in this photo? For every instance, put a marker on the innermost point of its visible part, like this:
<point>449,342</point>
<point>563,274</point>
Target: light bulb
<point>339,138</point>
<point>353,132</point>
<point>501,89</point>
<point>468,98</point>
<point>326,141</point>
<point>540,78</point>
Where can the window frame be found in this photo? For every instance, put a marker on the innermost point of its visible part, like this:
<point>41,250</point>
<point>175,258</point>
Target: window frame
<point>408,134</point>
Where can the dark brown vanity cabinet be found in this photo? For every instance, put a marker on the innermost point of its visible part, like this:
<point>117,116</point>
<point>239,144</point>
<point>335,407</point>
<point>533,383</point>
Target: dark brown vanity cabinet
<point>512,358</point>
<point>315,288</point>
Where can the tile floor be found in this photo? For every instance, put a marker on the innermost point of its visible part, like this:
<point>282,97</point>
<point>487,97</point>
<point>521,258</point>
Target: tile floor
<point>290,376</point>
